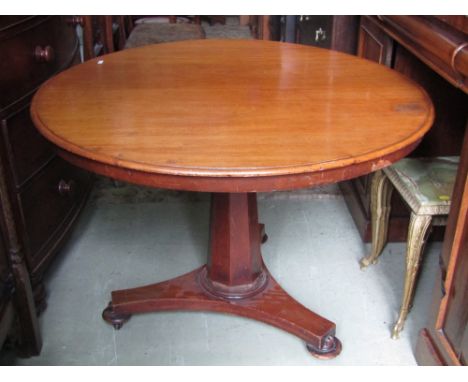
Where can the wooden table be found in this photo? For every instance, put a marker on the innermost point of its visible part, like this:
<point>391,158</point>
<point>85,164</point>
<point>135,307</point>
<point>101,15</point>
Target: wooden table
<point>233,118</point>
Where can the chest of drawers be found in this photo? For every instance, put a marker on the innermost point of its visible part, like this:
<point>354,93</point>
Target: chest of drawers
<point>41,194</point>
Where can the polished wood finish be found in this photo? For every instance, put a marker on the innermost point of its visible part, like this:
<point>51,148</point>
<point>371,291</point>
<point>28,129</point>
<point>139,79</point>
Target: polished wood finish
<point>35,216</point>
<point>444,339</point>
<point>443,139</point>
<point>94,36</point>
<point>235,280</point>
<point>345,33</point>
<point>211,138</point>
<point>459,22</point>
<point>183,116</point>
<point>186,293</point>
<point>52,185</point>
<point>227,183</point>
<point>446,136</point>
<point>443,49</point>
<point>242,273</point>
<point>417,55</point>
<point>88,36</point>
<point>374,45</point>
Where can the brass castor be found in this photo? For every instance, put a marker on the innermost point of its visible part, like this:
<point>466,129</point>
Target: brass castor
<point>330,349</point>
<point>115,319</point>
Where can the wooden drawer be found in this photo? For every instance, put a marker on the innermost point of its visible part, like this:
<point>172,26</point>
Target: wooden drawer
<point>27,151</point>
<point>47,203</point>
<point>31,51</point>
<point>374,44</point>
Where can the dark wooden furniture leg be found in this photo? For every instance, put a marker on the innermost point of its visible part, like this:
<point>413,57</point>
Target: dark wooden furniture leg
<point>235,280</point>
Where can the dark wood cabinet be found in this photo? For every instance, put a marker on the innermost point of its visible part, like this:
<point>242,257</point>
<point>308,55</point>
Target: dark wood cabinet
<point>433,51</point>
<point>41,194</point>
<point>374,44</point>
<point>444,340</point>
<point>331,32</point>
<point>378,42</point>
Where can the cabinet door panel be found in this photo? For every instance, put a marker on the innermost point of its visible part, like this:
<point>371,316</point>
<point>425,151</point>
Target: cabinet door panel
<point>444,339</point>
<point>374,44</point>
<point>456,315</point>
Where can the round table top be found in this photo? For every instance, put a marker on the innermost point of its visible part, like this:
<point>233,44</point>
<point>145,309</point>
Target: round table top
<point>231,115</point>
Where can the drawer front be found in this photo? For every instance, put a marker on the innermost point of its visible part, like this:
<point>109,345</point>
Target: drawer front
<point>363,187</point>
<point>26,149</point>
<point>46,203</point>
<point>33,51</point>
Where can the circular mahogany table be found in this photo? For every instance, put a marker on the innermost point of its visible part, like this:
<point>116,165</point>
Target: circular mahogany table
<point>233,118</point>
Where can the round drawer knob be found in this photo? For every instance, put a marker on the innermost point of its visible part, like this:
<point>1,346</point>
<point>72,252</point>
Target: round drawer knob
<point>45,54</point>
<point>66,188</point>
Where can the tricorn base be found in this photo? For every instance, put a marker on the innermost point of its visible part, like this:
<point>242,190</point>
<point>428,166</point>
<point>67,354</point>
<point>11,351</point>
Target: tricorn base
<point>235,281</point>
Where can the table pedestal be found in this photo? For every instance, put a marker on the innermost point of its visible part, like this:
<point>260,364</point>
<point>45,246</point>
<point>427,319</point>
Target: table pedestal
<point>235,280</point>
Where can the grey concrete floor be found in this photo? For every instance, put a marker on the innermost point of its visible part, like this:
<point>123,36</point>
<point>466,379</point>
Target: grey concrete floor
<point>129,236</point>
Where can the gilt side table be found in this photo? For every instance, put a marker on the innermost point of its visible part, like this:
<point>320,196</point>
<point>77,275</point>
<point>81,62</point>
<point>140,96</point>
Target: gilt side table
<point>233,118</point>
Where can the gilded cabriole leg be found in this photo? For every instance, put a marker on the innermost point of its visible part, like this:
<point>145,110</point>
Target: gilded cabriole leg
<point>381,193</point>
<point>417,234</point>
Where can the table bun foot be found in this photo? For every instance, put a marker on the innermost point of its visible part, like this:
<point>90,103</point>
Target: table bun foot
<point>234,281</point>
<point>331,347</point>
<point>114,318</point>
<point>269,304</point>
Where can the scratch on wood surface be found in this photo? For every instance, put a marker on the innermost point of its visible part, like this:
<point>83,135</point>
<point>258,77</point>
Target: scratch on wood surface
<point>380,164</point>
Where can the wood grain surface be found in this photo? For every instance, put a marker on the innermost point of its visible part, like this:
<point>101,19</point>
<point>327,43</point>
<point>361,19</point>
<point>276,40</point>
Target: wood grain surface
<point>231,109</point>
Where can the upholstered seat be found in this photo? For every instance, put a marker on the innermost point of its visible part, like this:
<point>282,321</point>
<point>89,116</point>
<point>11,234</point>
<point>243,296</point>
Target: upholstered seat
<point>426,185</point>
<point>155,33</point>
